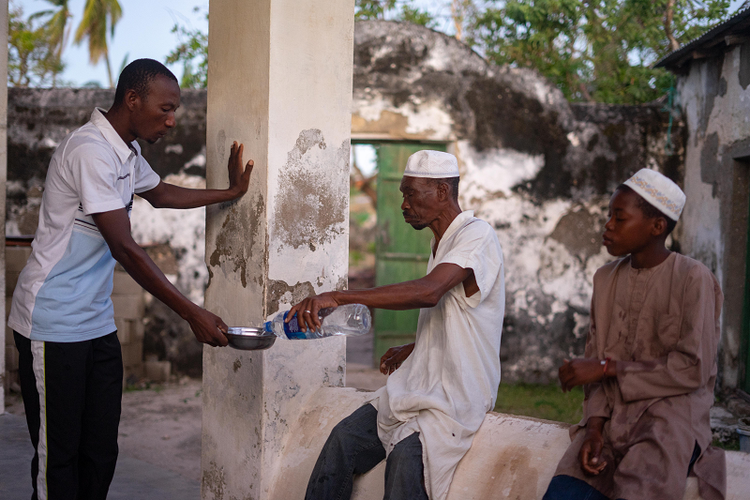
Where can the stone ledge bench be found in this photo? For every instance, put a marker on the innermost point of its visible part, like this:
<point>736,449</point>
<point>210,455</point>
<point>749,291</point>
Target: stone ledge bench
<point>511,457</point>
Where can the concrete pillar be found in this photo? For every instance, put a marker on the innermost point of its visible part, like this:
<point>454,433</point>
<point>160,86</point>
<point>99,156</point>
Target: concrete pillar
<point>280,81</point>
<point>3,175</point>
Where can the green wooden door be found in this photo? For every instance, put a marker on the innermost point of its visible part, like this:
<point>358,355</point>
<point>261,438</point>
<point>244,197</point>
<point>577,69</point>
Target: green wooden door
<point>401,252</point>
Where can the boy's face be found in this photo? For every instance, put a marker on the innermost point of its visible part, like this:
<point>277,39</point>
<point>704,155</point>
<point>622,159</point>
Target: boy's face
<point>627,229</point>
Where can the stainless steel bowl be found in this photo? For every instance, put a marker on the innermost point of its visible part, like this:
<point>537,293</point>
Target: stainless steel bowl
<point>248,338</point>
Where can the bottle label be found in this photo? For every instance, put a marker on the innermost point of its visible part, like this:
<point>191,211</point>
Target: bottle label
<point>292,330</point>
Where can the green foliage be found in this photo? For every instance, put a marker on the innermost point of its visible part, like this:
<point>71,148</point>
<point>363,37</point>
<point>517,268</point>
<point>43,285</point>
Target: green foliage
<point>56,24</point>
<point>192,52</point>
<point>398,10</point>
<point>33,56</point>
<point>597,50</point>
<point>541,401</point>
<point>99,16</point>
<point>600,50</point>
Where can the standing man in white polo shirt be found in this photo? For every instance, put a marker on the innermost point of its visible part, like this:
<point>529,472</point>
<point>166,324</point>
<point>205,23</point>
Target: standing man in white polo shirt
<point>70,360</point>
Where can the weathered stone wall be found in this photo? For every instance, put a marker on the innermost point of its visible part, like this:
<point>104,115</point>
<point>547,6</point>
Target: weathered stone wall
<point>537,168</point>
<point>715,98</point>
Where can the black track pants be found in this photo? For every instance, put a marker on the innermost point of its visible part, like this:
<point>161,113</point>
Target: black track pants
<point>72,394</point>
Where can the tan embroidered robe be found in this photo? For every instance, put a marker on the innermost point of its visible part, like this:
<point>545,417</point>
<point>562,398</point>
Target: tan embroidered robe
<point>662,326</point>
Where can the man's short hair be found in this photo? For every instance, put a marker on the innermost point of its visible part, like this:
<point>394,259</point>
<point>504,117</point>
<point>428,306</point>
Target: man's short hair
<point>137,76</point>
<point>452,183</point>
<point>650,211</point>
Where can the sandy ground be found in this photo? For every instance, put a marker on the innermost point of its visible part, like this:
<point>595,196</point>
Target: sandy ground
<point>162,425</point>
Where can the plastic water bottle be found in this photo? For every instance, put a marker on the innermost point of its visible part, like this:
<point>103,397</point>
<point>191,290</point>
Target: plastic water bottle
<point>349,319</point>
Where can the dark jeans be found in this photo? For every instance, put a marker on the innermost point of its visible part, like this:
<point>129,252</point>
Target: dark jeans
<point>354,448</point>
<point>572,488</point>
<point>72,394</point>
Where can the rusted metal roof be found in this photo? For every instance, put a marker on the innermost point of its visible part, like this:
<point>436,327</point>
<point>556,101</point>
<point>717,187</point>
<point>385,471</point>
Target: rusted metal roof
<point>733,31</point>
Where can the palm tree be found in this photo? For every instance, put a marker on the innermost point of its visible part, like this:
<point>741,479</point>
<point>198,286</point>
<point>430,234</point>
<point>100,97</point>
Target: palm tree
<point>57,28</point>
<point>94,27</point>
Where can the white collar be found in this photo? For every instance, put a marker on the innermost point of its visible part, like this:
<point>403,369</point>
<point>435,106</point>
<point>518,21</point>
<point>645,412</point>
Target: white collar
<point>112,137</point>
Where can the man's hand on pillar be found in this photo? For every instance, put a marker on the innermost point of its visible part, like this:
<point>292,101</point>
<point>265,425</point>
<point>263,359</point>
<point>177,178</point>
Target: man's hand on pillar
<point>239,177</point>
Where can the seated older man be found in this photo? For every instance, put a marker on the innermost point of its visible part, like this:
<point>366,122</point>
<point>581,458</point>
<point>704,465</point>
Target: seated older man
<point>440,387</point>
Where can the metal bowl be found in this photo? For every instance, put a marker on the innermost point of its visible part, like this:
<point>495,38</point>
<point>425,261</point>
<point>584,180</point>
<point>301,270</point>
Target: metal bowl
<point>248,338</point>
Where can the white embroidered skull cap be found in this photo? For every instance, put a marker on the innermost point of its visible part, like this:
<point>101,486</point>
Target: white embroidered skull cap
<point>432,165</point>
<point>658,190</point>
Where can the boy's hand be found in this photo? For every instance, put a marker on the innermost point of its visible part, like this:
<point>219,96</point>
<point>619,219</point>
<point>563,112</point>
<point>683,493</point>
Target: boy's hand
<point>580,372</point>
<point>590,454</point>
<point>393,358</point>
<point>239,178</point>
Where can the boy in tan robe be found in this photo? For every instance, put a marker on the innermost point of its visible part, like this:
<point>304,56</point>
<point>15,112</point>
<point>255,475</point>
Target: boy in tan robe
<point>650,363</point>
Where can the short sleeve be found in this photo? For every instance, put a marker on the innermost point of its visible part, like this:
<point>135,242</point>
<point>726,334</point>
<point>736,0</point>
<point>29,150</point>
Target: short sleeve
<point>476,247</point>
<point>95,179</point>
<point>145,177</point>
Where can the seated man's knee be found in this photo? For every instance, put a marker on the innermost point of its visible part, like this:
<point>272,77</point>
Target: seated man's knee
<point>358,430</point>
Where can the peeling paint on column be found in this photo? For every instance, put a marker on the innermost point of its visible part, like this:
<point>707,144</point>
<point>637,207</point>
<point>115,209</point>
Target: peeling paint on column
<point>237,234</point>
<point>310,210</point>
<point>280,291</point>
<point>214,481</point>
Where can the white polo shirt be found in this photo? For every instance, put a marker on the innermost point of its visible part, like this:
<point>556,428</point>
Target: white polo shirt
<point>63,292</point>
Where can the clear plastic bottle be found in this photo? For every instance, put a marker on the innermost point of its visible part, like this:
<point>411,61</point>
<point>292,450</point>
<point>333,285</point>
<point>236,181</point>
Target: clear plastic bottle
<point>349,319</point>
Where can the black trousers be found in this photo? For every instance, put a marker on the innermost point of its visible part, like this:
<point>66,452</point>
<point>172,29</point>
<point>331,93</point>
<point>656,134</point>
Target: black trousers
<point>72,393</point>
<point>353,447</point>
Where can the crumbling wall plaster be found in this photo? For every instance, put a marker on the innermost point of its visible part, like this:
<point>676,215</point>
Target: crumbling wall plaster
<point>714,226</point>
<point>537,168</point>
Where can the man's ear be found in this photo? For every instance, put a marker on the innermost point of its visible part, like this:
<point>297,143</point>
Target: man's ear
<point>443,190</point>
<point>131,99</point>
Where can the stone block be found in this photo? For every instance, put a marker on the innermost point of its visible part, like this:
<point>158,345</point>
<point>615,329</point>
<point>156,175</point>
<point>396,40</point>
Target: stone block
<point>15,258</point>
<point>128,306</point>
<point>157,371</point>
<point>11,358</point>
<point>132,354</point>
<point>11,279</point>
<point>132,373</point>
<point>124,284</point>
<point>124,333</point>
<point>137,330</point>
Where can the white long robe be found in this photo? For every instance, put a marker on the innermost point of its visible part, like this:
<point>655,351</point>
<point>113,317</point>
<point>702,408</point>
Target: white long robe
<point>449,382</point>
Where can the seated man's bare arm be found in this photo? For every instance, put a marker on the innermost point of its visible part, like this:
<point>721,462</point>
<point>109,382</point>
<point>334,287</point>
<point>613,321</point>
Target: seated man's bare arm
<point>414,294</point>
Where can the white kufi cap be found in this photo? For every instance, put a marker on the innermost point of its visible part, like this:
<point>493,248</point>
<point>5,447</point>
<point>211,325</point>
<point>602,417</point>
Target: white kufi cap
<point>659,191</point>
<point>431,164</point>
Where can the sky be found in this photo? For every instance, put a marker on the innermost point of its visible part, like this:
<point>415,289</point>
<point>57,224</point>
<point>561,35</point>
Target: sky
<point>145,31</point>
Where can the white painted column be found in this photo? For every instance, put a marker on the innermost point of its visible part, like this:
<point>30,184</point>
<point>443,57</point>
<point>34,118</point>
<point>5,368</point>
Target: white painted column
<point>280,81</point>
<point>3,176</point>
